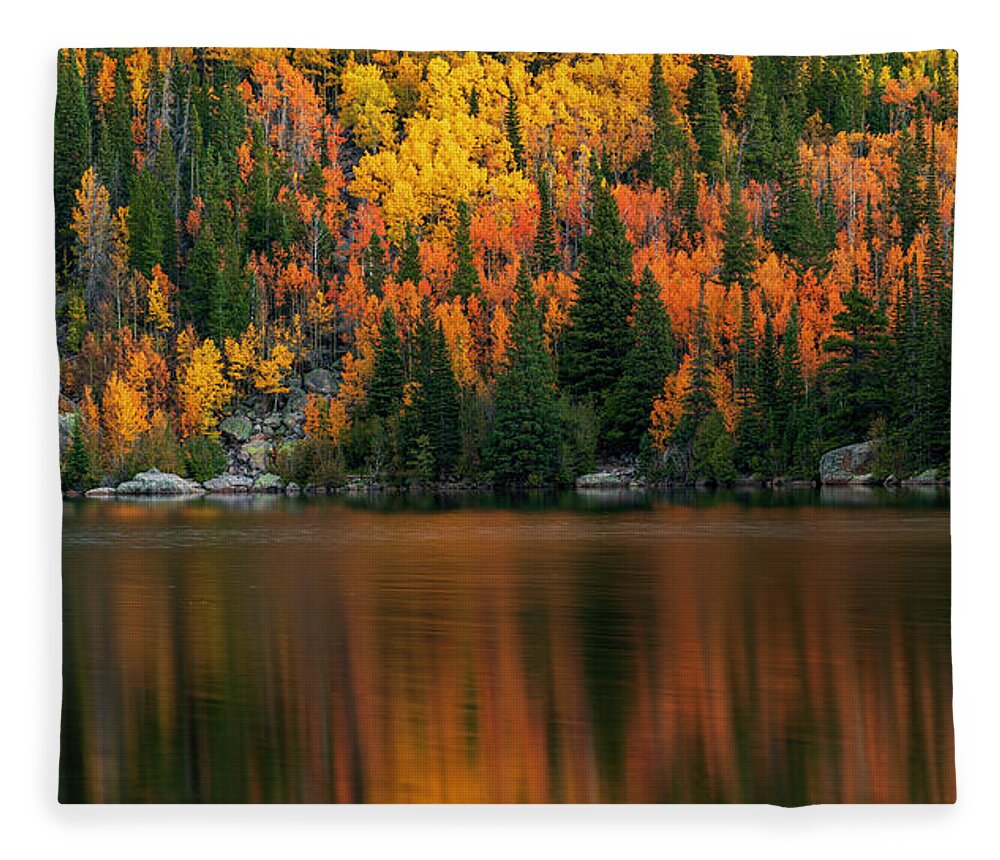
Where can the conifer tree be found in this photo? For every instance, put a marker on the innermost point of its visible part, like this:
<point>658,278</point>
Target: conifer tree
<point>512,121</point>
<point>465,281</point>
<point>545,256</point>
<point>72,152</point>
<point>668,139</point>
<point>524,444</point>
<point>707,126</point>
<point>409,258</point>
<point>146,220</point>
<point>438,402</point>
<point>687,203</point>
<point>906,197</point>
<point>389,377</point>
<point>698,402</point>
<point>649,361</point>
<point>597,340</point>
<point>374,264</point>
<point>739,253</point>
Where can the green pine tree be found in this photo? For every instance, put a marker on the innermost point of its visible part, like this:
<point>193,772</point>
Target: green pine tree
<point>524,444</point>
<point>598,337</point>
<point>72,153</point>
<point>465,281</point>
<point>389,377</point>
<point>739,252</point>
<point>648,362</point>
<point>512,123</point>
<point>707,126</point>
<point>409,258</point>
<point>545,256</point>
<point>374,265</point>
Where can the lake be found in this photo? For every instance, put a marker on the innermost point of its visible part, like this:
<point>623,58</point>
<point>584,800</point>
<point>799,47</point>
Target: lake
<point>770,647</point>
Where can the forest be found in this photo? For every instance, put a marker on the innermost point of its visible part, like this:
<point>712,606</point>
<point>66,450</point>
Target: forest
<point>502,269</point>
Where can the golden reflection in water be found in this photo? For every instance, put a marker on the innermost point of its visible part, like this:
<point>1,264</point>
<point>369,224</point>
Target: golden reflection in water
<point>318,653</point>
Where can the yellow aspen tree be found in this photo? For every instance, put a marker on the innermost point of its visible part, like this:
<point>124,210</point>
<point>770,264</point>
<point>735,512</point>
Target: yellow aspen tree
<point>157,298</point>
<point>124,417</point>
<point>202,390</point>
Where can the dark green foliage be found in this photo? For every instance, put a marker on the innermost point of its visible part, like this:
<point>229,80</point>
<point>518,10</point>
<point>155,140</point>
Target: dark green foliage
<point>580,431</point>
<point>311,461</point>
<point>524,444</point>
<point>158,448</point>
<point>797,232</point>
<point>147,216</point>
<point>746,354</point>
<point>268,222</point>
<point>438,402</point>
<point>204,457</point>
<point>712,451</point>
<point>72,152</point>
<point>758,161</point>
<point>854,379</point>
<point>386,395</point>
<point>668,144</point>
<point>374,265</point>
<point>466,278</point>
<point>687,203</point>
<point>409,258</point>
<point>114,144</point>
<point>79,470</point>
<point>598,338</point>
<point>906,198</point>
<point>648,362</point>
<point>707,125</point>
<point>698,401</point>
<point>545,256</point>
<point>739,253</point>
<point>512,123</point>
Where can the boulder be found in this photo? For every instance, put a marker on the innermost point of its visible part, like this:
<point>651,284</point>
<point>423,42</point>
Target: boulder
<point>609,478</point>
<point>257,454</point>
<point>292,489</point>
<point>321,381</point>
<point>293,421</point>
<point>926,478</point>
<point>237,427</point>
<point>100,493</point>
<point>157,483</point>
<point>268,483</point>
<point>844,465</point>
<point>229,483</point>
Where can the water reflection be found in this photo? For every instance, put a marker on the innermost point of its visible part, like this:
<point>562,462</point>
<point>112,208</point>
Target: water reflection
<point>785,648</point>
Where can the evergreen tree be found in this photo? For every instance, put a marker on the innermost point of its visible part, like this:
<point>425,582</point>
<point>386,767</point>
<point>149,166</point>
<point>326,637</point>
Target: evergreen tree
<point>855,377</point>
<point>758,154</point>
<point>201,287</point>
<point>438,402</point>
<point>79,467</point>
<point>374,265</point>
<point>524,444</point>
<point>739,253</point>
<point>797,231</point>
<point>165,171</point>
<point>409,258</point>
<point>906,197</point>
<point>512,123</point>
<point>545,256</point>
<point>746,353</point>
<point>698,401</point>
<point>146,220</point>
<point>72,152</point>
<point>648,362</point>
<point>687,203</point>
<point>115,141</point>
<point>712,451</point>
<point>707,125</point>
<point>465,281</point>
<point>598,337</point>
<point>668,139</point>
<point>389,377</point>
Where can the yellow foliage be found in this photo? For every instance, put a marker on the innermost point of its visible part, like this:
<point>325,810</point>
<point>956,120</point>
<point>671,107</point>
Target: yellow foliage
<point>269,375</point>
<point>124,417</point>
<point>157,311</point>
<point>668,408</point>
<point>366,105</point>
<point>242,355</point>
<point>202,390</point>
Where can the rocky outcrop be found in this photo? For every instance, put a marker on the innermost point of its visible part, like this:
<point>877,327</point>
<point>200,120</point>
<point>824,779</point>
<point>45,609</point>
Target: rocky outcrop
<point>67,421</point>
<point>237,427</point>
<point>255,454</point>
<point>157,483</point>
<point>100,493</point>
<point>607,478</point>
<point>321,381</point>
<point>229,483</point>
<point>851,464</point>
<point>927,478</point>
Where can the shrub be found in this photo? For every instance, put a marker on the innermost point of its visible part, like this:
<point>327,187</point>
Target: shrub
<point>205,457</point>
<point>156,448</point>
<point>311,461</point>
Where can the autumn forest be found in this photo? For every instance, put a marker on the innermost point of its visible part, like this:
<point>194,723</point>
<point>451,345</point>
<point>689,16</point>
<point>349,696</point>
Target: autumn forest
<point>502,268</point>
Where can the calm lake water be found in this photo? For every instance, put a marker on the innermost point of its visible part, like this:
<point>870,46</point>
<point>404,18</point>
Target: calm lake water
<point>784,648</point>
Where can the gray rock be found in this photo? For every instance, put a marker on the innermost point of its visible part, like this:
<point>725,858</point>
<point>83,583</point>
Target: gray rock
<point>293,421</point>
<point>321,381</point>
<point>926,478</point>
<point>292,489</point>
<point>843,465</point>
<point>608,478</point>
<point>257,454</point>
<point>296,401</point>
<point>237,427</point>
<point>229,483</point>
<point>67,421</point>
<point>100,493</point>
<point>157,483</point>
<point>268,483</point>
<point>866,480</point>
